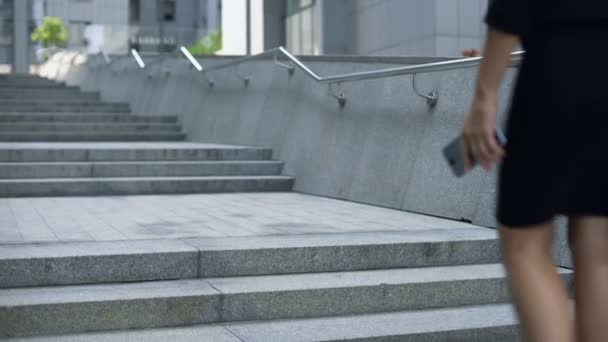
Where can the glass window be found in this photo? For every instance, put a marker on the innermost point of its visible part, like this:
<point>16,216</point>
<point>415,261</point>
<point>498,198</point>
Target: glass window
<point>76,36</point>
<point>168,10</point>
<point>134,10</point>
<point>299,22</point>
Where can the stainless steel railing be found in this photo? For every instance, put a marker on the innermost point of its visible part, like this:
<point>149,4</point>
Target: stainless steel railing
<point>431,97</point>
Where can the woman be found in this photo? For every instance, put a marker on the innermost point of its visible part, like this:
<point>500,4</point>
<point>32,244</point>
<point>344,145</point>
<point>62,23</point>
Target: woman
<point>555,161</point>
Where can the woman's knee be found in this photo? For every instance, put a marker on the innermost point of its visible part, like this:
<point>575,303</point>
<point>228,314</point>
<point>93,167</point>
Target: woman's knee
<point>523,243</point>
<point>589,239</point>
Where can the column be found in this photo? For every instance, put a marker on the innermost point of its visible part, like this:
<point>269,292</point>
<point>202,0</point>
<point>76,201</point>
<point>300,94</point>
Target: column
<point>21,39</point>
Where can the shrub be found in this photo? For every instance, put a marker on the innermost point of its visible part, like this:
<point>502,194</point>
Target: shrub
<point>208,45</point>
<point>51,32</point>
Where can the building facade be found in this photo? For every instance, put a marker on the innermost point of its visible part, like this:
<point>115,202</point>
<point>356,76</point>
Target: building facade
<point>7,29</point>
<point>361,27</point>
<point>116,26</point>
<point>309,27</point>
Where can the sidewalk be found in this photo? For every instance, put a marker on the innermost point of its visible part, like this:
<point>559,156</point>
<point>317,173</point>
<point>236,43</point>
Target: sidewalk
<point>67,219</point>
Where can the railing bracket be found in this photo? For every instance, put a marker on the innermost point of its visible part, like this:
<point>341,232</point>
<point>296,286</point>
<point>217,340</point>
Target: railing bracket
<point>210,82</point>
<point>431,98</point>
<point>338,96</point>
<point>242,77</point>
<point>290,68</point>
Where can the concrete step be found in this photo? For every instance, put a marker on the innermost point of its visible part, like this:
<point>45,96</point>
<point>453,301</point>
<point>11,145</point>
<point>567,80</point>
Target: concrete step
<point>46,94</point>
<point>131,151</point>
<point>24,78</point>
<point>85,117</point>
<point>81,308</point>
<point>139,169</point>
<point>29,82</point>
<point>28,98</point>
<point>475,323</point>
<point>15,136</point>
<point>66,107</point>
<point>58,88</point>
<point>141,185</point>
<point>55,102</point>
<point>35,85</point>
<point>125,261</point>
<point>89,127</point>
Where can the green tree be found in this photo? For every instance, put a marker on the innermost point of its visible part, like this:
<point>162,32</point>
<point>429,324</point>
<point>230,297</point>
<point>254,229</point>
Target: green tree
<point>208,45</point>
<point>52,32</point>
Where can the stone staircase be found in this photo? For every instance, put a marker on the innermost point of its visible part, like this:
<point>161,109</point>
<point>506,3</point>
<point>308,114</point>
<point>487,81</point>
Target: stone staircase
<point>392,286</point>
<point>56,140</point>
<point>417,285</point>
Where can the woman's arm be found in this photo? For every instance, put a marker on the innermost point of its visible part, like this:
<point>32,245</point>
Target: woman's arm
<point>479,140</point>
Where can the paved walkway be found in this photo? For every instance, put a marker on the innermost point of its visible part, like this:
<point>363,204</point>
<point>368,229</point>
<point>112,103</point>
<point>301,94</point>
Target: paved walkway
<point>63,219</point>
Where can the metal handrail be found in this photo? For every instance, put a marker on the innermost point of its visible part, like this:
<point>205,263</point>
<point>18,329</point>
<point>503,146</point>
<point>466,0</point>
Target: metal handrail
<point>431,98</point>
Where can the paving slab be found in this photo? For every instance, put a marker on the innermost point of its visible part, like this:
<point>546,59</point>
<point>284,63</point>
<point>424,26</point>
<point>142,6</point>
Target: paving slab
<point>96,262</point>
<point>180,334</point>
<point>496,323</point>
<point>210,215</point>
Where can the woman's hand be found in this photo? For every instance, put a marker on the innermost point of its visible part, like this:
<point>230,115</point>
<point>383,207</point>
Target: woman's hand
<point>479,134</point>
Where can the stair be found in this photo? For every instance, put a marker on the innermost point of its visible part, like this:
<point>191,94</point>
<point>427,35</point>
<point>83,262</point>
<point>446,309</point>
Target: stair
<point>58,141</point>
<point>278,288</point>
<point>423,284</point>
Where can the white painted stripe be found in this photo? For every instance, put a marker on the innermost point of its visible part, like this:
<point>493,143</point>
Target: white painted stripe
<point>191,59</point>
<point>138,59</point>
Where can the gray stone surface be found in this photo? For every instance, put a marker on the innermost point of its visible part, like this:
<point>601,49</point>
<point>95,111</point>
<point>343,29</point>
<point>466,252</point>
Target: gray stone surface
<point>27,220</point>
<point>90,127</point>
<point>92,117</point>
<point>138,169</point>
<point>52,310</point>
<point>383,147</point>
<point>74,99</point>
<point>56,310</point>
<point>181,334</point>
<point>22,96</point>
<point>119,151</point>
<point>467,324</point>
<point>476,323</point>
<point>15,136</point>
<point>99,186</point>
<point>96,262</point>
<point>341,252</point>
<point>346,293</point>
<point>64,107</point>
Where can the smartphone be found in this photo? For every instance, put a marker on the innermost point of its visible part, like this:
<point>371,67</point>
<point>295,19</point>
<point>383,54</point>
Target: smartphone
<point>453,155</point>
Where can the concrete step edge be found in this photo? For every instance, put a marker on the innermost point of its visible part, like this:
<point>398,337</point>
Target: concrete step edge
<point>144,163</point>
<point>137,169</point>
<point>93,151</point>
<point>138,179</point>
<point>86,127</point>
<point>46,310</point>
<point>481,323</point>
<point>60,102</point>
<point>102,118</point>
<point>84,133</point>
<point>28,264</point>
<point>105,186</point>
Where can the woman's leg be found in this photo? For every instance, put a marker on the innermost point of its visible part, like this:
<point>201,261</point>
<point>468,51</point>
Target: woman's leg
<point>590,250</point>
<point>538,292</point>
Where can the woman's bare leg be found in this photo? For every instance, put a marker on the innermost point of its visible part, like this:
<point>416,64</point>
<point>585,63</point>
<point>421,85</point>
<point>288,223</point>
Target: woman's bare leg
<point>590,250</point>
<point>538,292</point>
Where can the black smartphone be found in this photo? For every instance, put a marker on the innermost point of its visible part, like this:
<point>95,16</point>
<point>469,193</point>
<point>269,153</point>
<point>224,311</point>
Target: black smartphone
<point>454,158</point>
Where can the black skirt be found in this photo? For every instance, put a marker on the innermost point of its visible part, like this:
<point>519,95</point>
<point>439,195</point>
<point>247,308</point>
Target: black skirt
<point>557,151</point>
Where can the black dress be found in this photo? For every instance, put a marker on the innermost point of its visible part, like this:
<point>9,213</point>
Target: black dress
<point>557,151</point>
